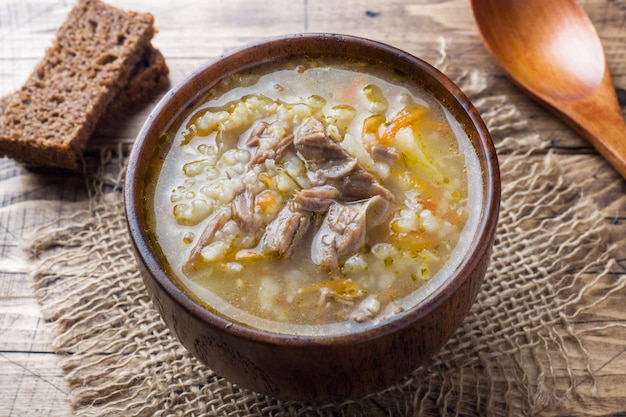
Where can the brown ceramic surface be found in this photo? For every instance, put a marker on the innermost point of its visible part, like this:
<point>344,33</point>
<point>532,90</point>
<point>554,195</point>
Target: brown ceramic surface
<point>313,367</point>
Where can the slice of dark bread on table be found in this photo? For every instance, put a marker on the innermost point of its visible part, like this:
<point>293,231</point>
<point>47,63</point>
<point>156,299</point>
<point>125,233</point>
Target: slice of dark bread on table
<point>101,58</point>
<point>148,77</point>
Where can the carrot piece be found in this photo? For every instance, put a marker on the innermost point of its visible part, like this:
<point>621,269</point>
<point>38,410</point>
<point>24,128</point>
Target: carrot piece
<point>341,288</point>
<point>405,118</point>
<point>266,200</point>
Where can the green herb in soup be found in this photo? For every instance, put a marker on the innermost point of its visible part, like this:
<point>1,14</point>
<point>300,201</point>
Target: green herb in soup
<point>325,192</point>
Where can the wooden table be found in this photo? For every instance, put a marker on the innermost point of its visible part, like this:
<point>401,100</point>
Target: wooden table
<point>192,31</point>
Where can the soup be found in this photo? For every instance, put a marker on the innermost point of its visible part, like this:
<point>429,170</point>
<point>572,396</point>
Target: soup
<point>320,194</point>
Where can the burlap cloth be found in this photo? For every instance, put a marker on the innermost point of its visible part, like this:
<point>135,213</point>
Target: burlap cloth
<point>119,358</point>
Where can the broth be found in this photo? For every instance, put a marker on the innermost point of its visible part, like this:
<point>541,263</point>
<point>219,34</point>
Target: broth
<point>317,193</point>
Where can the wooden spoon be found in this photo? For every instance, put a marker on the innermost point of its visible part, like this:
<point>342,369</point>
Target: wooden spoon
<point>552,51</point>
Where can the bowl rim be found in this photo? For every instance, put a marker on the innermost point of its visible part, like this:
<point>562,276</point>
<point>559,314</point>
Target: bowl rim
<point>485,228</point>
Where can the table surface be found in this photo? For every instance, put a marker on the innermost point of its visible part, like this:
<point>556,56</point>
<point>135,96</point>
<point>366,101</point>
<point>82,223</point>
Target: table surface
<point>193,31</point>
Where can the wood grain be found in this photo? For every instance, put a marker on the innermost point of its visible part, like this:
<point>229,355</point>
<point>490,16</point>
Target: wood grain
<point>193,31</point>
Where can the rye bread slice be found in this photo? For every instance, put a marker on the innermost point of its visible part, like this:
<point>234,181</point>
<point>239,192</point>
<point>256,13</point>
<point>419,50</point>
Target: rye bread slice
<point>48,120</point>
<point>149,77</point>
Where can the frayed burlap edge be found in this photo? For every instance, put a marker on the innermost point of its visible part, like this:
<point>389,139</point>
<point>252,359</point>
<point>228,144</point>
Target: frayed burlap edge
<point>119,359</point>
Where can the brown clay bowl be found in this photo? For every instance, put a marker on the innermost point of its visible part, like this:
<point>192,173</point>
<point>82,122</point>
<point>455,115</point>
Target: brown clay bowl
<point>315,368</point>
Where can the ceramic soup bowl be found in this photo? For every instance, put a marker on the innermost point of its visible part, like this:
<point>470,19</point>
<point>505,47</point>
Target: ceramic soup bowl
<point>313,214</point>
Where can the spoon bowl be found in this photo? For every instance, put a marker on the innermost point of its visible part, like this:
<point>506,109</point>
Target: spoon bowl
<point>553,52</point>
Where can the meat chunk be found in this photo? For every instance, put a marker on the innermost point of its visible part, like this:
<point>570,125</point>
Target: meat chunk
<point>214,224</point>
<point>385,154</point>
<point>319,151</point>
<point>255,136</point>
<point>343,231</point>
<point>285,231</point>
<point>243,210</point>
<point>272,143</point>
<point>331,165</point>
<point>316,199</point>
<point>361,184</point>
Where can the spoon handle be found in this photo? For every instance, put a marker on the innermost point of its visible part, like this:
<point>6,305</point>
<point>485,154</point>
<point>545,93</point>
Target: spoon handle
<point>598,118</point>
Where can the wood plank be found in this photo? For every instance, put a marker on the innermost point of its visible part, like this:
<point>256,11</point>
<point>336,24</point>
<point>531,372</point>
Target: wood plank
<point>32,384</point>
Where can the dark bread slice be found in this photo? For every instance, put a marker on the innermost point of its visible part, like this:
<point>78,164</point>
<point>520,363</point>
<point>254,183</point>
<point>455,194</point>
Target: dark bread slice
<point>48,120</point>
<point>148,77</point>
